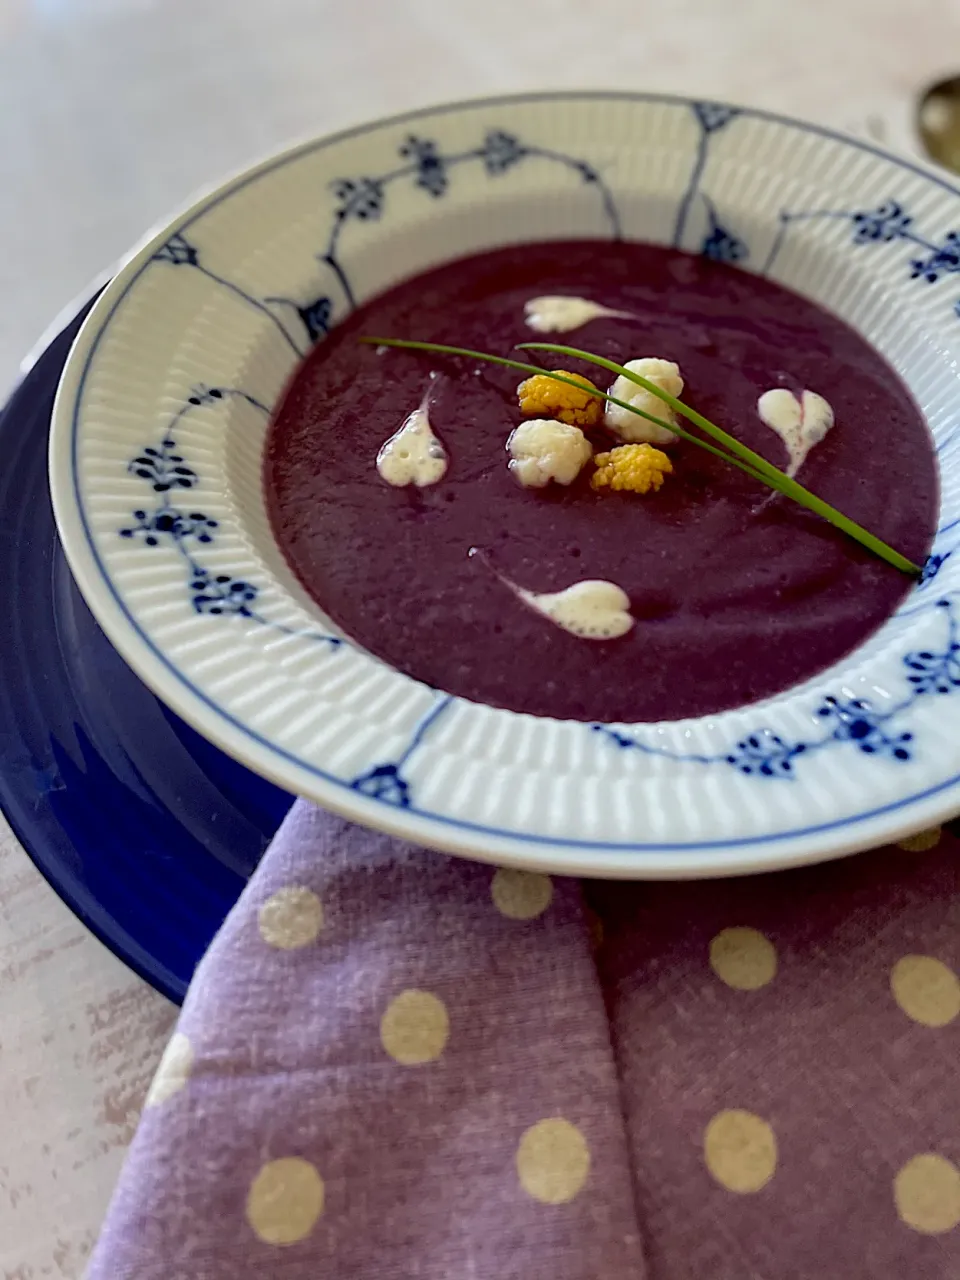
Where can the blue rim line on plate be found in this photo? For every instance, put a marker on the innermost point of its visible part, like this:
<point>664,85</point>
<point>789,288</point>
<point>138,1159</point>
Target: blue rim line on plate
<point>146,831</point>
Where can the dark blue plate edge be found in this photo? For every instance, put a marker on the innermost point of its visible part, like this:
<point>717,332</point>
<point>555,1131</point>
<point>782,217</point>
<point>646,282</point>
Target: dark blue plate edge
<point>235,835</point>
<point>131,956</point>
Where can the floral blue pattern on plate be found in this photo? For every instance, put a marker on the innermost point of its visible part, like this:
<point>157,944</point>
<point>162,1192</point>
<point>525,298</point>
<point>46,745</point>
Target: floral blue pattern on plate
<point>219,627</point>
<point>144,829</point>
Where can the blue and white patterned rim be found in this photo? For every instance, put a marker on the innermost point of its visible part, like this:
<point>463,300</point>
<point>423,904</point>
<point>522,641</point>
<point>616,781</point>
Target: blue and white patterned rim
<point>382,793</point>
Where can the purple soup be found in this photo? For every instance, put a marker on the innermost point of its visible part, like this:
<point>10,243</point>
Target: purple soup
<point>737,594</point>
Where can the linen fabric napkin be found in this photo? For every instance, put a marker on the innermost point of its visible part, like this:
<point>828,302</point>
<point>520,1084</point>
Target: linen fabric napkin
<point>395,1064</point>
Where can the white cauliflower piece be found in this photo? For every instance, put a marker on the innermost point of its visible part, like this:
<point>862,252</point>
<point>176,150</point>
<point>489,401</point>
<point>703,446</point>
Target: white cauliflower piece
<point>542,450</point>
<point>628,426</point>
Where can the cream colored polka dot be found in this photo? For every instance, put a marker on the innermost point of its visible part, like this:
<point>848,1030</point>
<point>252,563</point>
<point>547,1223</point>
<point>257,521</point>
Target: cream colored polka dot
<point>285,1200</point>
<point>173,1071</point>
<point>927,1194</point>
<point>521,895</point>
<point>553,1161</point>
<point>740,1151</point>
<point>926,990</point>
<point>743,958</point>
<point>922,842</point>
<point>291,918</point>
<point>414,1028</point>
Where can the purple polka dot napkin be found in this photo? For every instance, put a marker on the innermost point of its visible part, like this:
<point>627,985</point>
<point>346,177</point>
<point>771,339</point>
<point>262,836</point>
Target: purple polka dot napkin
<point>397,1065</point>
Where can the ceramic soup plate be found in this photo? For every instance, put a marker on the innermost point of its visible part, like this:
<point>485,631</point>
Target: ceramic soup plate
<point>160,422</point>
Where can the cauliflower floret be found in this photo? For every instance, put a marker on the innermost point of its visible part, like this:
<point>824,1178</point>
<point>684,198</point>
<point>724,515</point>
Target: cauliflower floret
<point>638,468</point>
<point>542,396</point>
<point>628,426</point>
<point>543,450</point>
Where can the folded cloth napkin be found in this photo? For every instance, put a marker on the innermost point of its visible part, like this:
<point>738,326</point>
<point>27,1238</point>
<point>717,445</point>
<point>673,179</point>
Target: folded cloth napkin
<point>393,1064</point>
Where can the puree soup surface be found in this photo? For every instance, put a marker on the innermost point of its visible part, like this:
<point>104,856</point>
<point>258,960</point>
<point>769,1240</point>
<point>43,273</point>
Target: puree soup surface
<point>737,594</point>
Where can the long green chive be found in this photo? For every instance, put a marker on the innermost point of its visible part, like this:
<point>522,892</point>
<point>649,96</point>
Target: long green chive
<point>733,451</point>
<point>773,476</point>
<point>409,344</point>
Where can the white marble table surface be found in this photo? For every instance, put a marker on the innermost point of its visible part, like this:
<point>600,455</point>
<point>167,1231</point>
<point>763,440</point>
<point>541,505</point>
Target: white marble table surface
<point>111,113</point>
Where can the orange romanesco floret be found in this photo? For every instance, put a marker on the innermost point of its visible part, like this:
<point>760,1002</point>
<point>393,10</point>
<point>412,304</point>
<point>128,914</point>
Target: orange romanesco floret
<point>543,397</point>
<point>637,468</point>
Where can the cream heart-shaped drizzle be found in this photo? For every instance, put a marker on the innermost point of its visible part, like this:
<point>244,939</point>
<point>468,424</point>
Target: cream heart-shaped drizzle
<point>592,609</point>
<point>800,421</point>
<point>413,455</point>
<point>558,314</point>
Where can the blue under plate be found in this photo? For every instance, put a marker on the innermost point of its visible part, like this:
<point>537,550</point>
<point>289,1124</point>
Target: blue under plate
<point>145,830</point>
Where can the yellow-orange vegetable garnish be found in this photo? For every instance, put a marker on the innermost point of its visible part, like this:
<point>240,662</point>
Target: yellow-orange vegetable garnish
<point>542,397</point>
<point>636,468</point>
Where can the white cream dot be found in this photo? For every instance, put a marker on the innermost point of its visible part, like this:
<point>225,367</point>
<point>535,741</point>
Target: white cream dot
<point>285,1200</point>
<point>743,958</point>
<point>414,1028</point>
<point>521,895</point>
<point>927,1194</point>
<point>740,1150</point>
<point>553,1161</point>
<point>926,990</point>
<point>922,841</point>
<point>291,918</point>
<point>173,1071</point>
